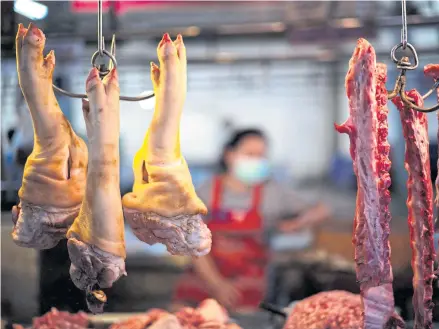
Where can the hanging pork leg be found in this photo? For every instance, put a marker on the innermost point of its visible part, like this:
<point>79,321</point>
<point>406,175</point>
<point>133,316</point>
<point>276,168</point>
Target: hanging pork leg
<point>163,206</point>
<point>367,130</point>
<point>420,207</point>
<point>96,242</point>
<point>55,172</point>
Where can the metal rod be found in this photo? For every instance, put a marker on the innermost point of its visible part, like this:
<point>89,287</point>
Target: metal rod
<point>404,25</point>
<point>100,36</point>
<point>432,90</point>
<point>407,102</point>
<point>272,309</point>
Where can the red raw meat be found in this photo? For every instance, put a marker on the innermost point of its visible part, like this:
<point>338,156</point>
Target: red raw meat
<point>59,320</point>
<point>209,315</point>
<point>327,310</point>
<point>189,318</point>
<point>367,129</point>
<point>432,71</point>
<point>420,207</point>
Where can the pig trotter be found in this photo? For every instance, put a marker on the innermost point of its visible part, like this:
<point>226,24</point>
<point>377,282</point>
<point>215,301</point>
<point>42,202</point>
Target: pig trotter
<point>92,266</point>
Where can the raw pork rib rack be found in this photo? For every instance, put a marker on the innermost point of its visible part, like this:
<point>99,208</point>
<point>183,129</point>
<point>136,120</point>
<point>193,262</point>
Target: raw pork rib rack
<point>420,207</point>
<point>367,129</point>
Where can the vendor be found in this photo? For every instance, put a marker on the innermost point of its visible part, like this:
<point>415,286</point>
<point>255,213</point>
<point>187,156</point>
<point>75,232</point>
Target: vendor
<point>244,205</point>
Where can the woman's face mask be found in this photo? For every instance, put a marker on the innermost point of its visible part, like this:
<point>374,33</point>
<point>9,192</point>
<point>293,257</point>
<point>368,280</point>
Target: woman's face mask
<point>251,171</point>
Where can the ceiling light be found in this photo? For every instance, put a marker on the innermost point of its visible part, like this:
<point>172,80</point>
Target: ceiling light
<point>349,23</point>
<point>31,9</point>
<point>191,31</point>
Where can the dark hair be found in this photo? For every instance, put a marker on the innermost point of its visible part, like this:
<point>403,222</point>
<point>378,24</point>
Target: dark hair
<point>235,139</point>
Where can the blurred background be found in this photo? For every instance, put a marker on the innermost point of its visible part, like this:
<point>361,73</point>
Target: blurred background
<point>276,66</point>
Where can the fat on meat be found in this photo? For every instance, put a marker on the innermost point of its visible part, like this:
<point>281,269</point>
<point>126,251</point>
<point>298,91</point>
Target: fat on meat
<point>163,206</point>
<point>420,207</point>
<point>55,172</point>
<point>367,129</point>
<point>211,310</point>
<point>96,243</point>
<point>55,319</point>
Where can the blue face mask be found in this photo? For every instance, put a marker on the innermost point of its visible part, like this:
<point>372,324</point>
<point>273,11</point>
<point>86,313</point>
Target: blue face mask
<point>252,171</point>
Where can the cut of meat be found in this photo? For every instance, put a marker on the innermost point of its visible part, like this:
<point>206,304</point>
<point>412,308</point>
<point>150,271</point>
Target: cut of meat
<point>189,318</point>
<point>367,129</point>
<point>209,315</point>
<point>186,318</point>
<point>168,321</point>
<point>432,71</point>
<point>163,206</point>
<point>59,320</point>
<point>332,310</point>
<point>327,310</point>
<point>55,172</point>
<point>211,310</point>
<point>142,321</point>
<point>96,242</point>
<point>420,207</point>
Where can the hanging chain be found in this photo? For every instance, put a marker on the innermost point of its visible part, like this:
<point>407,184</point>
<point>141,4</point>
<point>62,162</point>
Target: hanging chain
<point>103,71</point>
<point>404,65</point>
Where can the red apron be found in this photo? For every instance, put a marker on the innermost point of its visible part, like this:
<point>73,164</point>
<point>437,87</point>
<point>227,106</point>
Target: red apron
<point>238,250</point>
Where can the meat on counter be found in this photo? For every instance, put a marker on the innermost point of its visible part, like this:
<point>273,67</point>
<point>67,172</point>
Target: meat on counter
<point>420,207</point>
<point>55,319</point>
<point>96,241</point>
<point>163,206</point>
<point>55,172</point>
<point>208,315</point>
<point>367,129</point>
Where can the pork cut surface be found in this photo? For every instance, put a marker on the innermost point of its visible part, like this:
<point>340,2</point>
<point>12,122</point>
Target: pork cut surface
<point>55,172</point>
<point>420,207</point>
<point>367,129</point>
<point>96,241</point>
<point>163,206</point>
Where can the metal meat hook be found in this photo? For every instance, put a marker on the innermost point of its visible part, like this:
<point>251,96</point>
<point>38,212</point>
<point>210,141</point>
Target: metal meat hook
<point>103,71</point>
<point>404,64</point>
